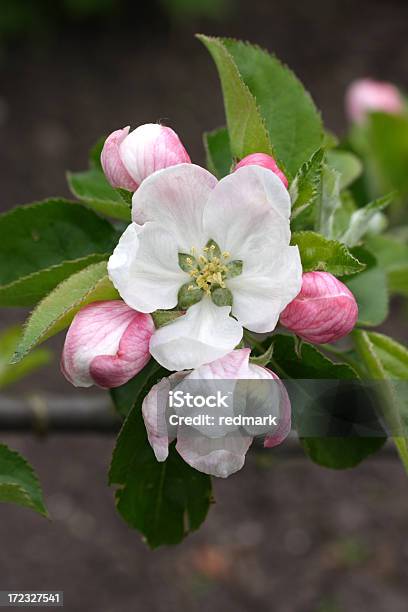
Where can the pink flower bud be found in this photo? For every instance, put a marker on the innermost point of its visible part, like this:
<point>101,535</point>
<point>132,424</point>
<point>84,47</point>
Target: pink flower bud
<point>324,311</point>
<point>365,95</point>
<point>264,160</point>
<point>128,158</point>
<point>107,344</point>
<point>112,164</point>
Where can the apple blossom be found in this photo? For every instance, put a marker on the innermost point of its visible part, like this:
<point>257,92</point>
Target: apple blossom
<point>264,160</point>
<point>128,158</point>
<point>106,344</point>
<point>366,95</point>
<point>324,311</point>
<point>213,249</point>
<point>218,450</point>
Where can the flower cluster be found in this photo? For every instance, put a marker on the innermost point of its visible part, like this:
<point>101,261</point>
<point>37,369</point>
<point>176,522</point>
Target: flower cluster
<point>217,256</point>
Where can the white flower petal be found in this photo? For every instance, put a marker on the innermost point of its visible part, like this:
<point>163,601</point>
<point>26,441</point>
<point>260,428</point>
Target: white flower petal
<point>175,197</point>
<point>205,333</point>
<point>263,290</point>
<point>144,268</point>
<point>219,457</point>
<point>154,409</point>
<point>247,209</point>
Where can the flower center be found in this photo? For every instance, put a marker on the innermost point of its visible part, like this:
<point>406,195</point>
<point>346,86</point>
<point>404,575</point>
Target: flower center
<point>208,272</point>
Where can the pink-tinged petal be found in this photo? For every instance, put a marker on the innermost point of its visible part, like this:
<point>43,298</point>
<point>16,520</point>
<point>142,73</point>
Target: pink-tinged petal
<point>247,214</point>
<point>366,95</point>
<point>217,450</point>
<point>149,148</point>
<point>264,160</point>
<point>263,394</point>
<point>230,367</point>
<point>112,164</point>
<point>205,333</point>
<point>175,198</point>
<point>106,344</point>
<point>219,457</point>
<point>324,311</point>
<point>133,354</point>
<point>285,420</point>
<point>154,409</point>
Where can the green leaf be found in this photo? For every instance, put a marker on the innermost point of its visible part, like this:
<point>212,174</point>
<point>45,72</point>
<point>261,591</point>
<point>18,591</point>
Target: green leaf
<point>18,482</point>
<point>164,501</point>
<point>126,196</point>
<point>304,189</point>
<point>341,220</point>
<point>330,201</point>
<point>309,363</point>
<point>95,154</point>
<point>346,164</point>
<point>318,253</point>
<point>218,152</point>
<point>370,290</point>
<point>341,453</point>
<point>387,143</point>
<point>293,123</point>
<point>392,355</point>
<point>398,280</point>
<point>125,396</point>
<point>392,255</point>
<point>43,243</point>
<point>92,188</point>
<point>246,127</point>
<point>359,220</point>
<point>56,311</point>
<point>28,290</point>
<point>10,374</point>
<point>387,360</point>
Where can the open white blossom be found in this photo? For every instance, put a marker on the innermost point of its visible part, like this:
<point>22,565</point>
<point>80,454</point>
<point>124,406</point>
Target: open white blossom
<point>217,249</point>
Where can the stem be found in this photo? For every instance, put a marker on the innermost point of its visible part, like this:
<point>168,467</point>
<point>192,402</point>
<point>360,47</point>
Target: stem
<point>385,392</point>
<point>253,342</point>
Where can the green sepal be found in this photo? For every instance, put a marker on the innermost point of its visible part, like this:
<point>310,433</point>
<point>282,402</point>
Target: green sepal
<point>186,262</point>
<point>188,295</point>
<point>213,248</point>
<point>163,317</point>
<point>221,296</point>
<point>234,268</point>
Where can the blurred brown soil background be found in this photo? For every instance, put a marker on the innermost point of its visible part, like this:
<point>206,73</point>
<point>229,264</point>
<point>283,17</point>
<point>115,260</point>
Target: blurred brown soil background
<point>284,535</point>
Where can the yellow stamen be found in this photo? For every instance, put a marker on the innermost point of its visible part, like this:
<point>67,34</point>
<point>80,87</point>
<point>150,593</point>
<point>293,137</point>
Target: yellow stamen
<point>210,269</point>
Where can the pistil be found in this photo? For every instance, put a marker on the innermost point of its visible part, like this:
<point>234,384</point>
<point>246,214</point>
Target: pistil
<point>208,272</point>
